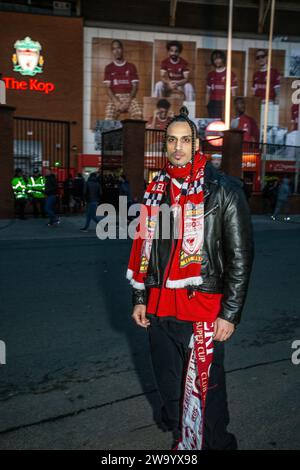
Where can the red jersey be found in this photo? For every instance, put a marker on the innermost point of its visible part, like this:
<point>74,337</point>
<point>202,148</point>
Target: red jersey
<point>216,81</point>
<point>120,77</point>
<point>295,115</point>
<point>174,70</point>
<point>158,123</point>
<point>249,126</point>
<point>259,83</point>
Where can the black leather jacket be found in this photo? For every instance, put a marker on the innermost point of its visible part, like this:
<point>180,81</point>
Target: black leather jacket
<point>227,250</point>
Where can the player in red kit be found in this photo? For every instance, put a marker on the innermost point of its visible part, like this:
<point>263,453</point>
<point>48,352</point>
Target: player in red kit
<point>259,81</point>
<point>216,85</point>
<point>161,115</point>
<point>121,79</point>
<point>244,122</point>
<point>174,71</point>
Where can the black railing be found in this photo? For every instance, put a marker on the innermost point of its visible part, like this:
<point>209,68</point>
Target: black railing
<point>41,144</point>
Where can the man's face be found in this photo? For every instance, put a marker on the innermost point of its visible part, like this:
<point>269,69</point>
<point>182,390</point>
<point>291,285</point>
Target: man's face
<point>174,52</point>
<point>117,51</point>
<point>218,61</point>
<point>179,143</point>
<point>261,58</point>
<point>240,106</point>
<point>162,112</point>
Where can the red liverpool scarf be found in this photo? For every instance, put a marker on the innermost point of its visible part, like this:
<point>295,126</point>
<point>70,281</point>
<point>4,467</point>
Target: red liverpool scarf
<point>185,265</point>
<point>196,386</point>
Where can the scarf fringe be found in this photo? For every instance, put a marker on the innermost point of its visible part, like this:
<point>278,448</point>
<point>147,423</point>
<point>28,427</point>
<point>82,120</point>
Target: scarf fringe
<point>182,283</point>
<point>135,284</point>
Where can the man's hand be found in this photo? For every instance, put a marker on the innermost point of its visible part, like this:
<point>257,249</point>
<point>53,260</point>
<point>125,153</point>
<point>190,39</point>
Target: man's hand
<point>223,330</point>
<point>139,316</point>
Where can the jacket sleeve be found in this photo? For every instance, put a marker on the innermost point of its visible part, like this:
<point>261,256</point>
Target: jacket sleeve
<point>139,297</point>
<point>238,254</point>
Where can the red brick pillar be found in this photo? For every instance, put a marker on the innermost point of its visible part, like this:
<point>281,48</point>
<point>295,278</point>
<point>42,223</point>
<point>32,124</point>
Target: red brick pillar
<point>133,155</point>
<point>6,160</point>
<point>232,152</point>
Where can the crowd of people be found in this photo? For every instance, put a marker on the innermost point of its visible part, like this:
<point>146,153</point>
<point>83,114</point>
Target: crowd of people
<point>42,195</point>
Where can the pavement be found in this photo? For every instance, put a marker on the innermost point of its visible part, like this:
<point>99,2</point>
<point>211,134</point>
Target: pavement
<point>78,373</point>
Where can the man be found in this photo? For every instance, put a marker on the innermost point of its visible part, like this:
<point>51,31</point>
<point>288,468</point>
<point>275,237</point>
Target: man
<point>174,72</point>
<point>121,80</point>
<point>19,186</point>
<point>196,285</point>
<point>161,115</point>
<point>216,85</point>
<point>78,192</point>
<point>92,194</point>
<point>259,81</point>
<point>36,191</point>
<point>51,194</point>
<point>245,122</point>
<point>283,195</point>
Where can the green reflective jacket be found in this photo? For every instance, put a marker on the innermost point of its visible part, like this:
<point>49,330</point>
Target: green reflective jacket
<point>19,187</point>
<point>36,187</point>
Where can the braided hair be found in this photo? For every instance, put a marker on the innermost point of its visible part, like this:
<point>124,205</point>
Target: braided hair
<point>183,116</point>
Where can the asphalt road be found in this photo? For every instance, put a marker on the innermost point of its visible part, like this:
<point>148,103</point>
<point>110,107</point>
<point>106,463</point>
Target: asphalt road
<point>78,373</point>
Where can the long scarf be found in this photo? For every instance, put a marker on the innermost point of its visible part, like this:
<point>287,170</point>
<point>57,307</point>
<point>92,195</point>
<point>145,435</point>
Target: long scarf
<point>196,386</point>
<point>185,265</point>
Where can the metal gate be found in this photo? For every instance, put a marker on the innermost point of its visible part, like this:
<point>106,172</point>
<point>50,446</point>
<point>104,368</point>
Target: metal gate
<point>41,144</point>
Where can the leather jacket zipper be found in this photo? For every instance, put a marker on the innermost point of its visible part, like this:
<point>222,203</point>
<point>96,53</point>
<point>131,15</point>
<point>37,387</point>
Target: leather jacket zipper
<point>211,210</point>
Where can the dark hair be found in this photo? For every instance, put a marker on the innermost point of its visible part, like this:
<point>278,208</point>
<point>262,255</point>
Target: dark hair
<point>183,116</point>
<point>176,44</point>
<point>163,103</point>
<point>239,98</point>
<point>261,50</point>
<point>217,53</point>
<point>119,42</point>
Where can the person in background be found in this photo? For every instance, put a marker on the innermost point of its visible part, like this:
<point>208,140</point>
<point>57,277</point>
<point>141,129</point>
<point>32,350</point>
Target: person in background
<point>259,81</point>
<point>36,191</point>
<point>174,71</point>
<point>92,194</point>
<point>283,196</point>
<point>78,192</point>
<point>121,80</point>
<point>51,195</point>
<point>19,186</point>
<point>67,199</point>
<point>244,122</point>
<point>269,195</point>
<point>161,115</point>
<point>216,85</point>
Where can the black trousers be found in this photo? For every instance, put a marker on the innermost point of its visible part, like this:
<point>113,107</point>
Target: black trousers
<point>20,205</point>
<point>169,342</point>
